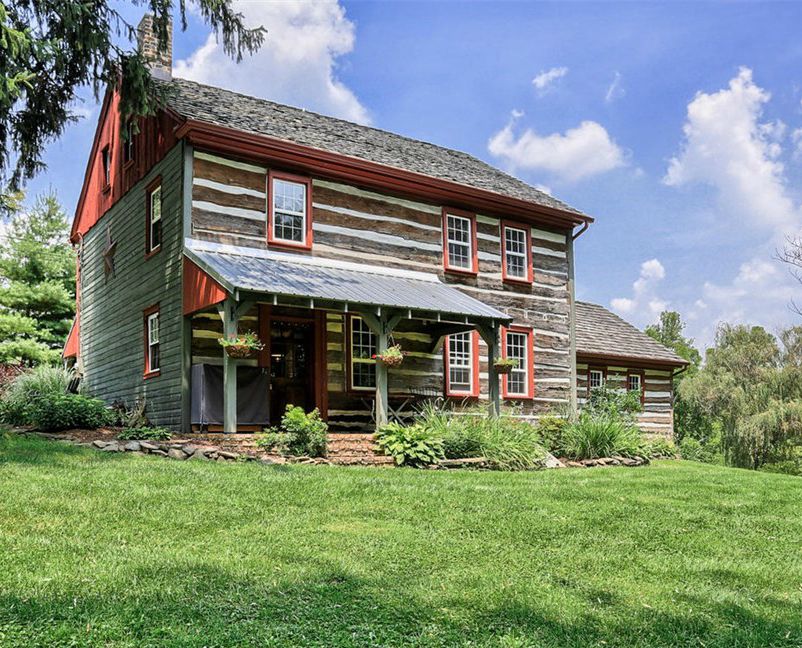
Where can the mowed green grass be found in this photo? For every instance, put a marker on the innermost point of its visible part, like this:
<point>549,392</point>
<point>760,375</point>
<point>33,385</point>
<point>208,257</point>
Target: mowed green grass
<point>114,550</point>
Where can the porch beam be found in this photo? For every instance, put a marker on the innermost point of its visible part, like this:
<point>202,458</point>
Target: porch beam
<point>229,313</point>
<point>491,334</point>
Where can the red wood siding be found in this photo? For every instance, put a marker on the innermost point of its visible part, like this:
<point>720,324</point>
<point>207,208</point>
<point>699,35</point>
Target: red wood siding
<point>200,290</point>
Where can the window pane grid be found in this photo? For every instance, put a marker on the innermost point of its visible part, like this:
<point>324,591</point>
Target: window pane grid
<point>153,342</point>
<point>289,211</point>
<point>517,348</point>
<point>363,348</point>
<point>458,236</point>
<point>595,379</point>
<point>515,253</point>
<point>155,224</point>
<point>634,382</point>
<point>460,362</point>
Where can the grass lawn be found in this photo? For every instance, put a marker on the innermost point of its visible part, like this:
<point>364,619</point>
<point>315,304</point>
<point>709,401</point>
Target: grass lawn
<point>115,550</point>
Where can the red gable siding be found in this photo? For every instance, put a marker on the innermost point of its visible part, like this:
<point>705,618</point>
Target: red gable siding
<point>156,136</point>
<point>200,290</point>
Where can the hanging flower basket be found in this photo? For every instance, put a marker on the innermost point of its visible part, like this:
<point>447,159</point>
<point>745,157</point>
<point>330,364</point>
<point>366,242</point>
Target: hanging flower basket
<point>505,365</point>
<point>392,357</point>
<point>241,346</point>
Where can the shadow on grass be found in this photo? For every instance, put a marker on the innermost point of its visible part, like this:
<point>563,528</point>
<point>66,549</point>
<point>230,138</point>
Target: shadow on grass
<point>200,605</point>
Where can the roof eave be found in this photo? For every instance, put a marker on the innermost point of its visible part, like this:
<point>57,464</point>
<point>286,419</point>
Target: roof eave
<point>641,361</point>
<point>342,167</point>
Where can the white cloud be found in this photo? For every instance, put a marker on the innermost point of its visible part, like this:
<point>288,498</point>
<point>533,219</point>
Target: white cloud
<point>645,305</point>
<point>580,152</point>
<point>725,146</point>
<point>545,80</point>
<point>297,63</point>
<point>796,138</point>
<point>614,90</point>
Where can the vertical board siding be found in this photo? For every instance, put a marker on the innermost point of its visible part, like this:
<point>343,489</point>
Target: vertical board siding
<point>229,206</point>
<point>657,416</point>
<point>112,330</point>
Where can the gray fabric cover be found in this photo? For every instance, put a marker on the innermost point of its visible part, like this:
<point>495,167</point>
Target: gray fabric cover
<point>253,388</point>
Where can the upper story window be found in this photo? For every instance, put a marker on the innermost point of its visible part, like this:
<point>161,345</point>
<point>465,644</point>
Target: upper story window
<point>129,145</point>
<point>634,382</point>
<point>595,379</point>
<point>290,207</point>
<point>516,253</point>
<point>105,161</point>
<point>517,344</point>
<point>362,352</point>
<point>153,209</point>
<point>462,364</point>
<point>152,348</point>
<point>459,240</point>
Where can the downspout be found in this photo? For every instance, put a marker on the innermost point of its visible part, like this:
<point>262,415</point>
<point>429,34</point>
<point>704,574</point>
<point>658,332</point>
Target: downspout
<point>572,397</point>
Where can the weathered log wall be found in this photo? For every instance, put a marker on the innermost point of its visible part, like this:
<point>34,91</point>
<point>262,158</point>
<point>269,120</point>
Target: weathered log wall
<point>657,416</point>
<point>229,205</point>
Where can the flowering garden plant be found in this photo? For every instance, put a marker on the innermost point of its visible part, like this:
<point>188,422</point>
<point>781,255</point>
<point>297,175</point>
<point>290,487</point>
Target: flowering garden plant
<point>243,345</point>
<point>392,357</point>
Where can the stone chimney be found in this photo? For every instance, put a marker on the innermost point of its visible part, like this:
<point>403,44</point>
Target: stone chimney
<point>161,64</point>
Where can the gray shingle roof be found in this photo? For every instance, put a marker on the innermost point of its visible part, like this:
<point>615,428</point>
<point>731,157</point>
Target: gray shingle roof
<point>292,275</point>
<point>600,332</point>
<point>226,108</point>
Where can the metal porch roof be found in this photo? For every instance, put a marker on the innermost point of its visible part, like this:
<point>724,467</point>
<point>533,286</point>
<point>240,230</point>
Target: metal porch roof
<point>293,275</point>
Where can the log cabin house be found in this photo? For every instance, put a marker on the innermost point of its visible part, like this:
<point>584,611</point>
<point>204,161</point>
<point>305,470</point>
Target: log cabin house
<point>224,213</point>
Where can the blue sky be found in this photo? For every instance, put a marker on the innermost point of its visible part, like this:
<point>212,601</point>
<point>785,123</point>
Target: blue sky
<point>678,126</point>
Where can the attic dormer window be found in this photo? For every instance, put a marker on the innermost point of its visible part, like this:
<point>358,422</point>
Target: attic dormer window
<point>290,211</point>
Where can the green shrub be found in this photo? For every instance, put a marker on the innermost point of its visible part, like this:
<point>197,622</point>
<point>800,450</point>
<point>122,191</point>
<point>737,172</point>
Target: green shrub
<point>592,436</point>
<point>614,403</point>
<point>410,446</point>
<point>659,448</point>
<point>145,433</point>
<point>788,467</point>
<point>510,444</point>
<point>66,411</point>
<point>694,450</point>
<point>461,441</point>
<point>551,429</point>
<point>300,434</point>
<point>27,388</point>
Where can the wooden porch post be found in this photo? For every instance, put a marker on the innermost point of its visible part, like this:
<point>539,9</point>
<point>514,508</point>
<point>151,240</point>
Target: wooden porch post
<point>490,334</point>
<point>228,313</point>
<point>382,326</point>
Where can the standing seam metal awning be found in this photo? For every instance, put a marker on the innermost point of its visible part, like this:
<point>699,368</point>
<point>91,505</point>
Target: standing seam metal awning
<point>240,269</point>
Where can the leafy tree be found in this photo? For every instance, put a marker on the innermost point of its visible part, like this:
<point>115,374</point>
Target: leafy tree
<point>37,284</point>
<point>49,49</point>
<point>754,390</point>
<point>689,420</point>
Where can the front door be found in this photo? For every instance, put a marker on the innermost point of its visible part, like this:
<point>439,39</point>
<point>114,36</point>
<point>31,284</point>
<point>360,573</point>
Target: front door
<point>292,379</point>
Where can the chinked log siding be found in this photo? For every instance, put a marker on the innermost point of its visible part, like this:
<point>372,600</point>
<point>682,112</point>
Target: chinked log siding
<point>112,329</point>
<point>229,205</point>
<point>657,416</point>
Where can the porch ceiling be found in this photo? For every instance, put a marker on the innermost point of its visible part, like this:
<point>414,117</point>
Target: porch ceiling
<point>355,285</point>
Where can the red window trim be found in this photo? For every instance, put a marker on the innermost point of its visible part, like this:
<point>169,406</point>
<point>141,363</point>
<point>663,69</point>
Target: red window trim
<point>349,388</point>
<point>530,393</point>
<point>151,187</point>
<point>474,270</point>
<point>604,376</point>
<point>150,310</point>
<point>528,232</point>
<point>289,177</point>
<point>474,390</point>
<point>642,374</point>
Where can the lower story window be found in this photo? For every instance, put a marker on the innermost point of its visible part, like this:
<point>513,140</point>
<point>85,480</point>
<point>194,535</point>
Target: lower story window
<point>462,365</point>
<point>518,346</point>
<point>363,350</point>
<point>152,347</point>
<point>595,379</point>
<point>634,382</point>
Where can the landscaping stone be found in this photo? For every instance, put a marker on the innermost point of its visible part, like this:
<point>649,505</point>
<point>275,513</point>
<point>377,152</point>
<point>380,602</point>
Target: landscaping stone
<point>552,462</point>
<point>232,456</point>
<point>465,462</point>
<point>176,453</point>
<point>189,449</point>
<point>148,446</point>
<point>132,446</point>
<point>575,464</point>
<point>159,452</point>
<point>198,454</point>
<point>111,446</point>
<point>100,444</point>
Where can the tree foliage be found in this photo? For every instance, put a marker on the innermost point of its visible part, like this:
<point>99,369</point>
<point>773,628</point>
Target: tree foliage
<point>37,283</point>
<point>752,385</point>
<point>49,49</point>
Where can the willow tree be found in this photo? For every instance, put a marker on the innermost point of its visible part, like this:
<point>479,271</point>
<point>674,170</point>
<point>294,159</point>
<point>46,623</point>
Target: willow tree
<point>50,49</point>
